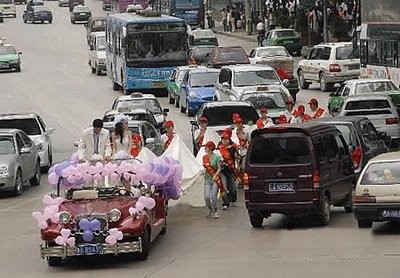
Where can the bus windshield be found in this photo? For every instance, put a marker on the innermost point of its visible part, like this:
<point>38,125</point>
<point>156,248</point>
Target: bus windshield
<point>156,48</point>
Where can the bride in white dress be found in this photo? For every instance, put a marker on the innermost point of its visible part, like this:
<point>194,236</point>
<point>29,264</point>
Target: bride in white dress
<point>121,139</point>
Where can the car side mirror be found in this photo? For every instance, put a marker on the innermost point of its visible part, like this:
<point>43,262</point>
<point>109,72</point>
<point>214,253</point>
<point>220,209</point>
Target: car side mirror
<point>85,25</point>
<point>25,150</point>
<point>76,144</point>
<point>20,53</point>
<point>226,85</point>
<point>305,56</point>
<point>50,130</point>
<point>194,123</point>
<point>286,82</point>
<point>172,79</point>
<point>150,140</point>
<point>166,111</point>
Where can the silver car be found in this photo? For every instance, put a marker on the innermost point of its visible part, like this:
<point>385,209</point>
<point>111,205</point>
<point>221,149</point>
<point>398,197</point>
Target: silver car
<point>19,161</point>
<point>34,126</point>
<point>379,109</point>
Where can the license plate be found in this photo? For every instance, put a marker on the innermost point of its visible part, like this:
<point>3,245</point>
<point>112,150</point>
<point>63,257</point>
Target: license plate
<point>288,42</point>
<point>89,249</point>
<point>82,14</point>
<point>3,66</point>
<point>354,67</point>
<point>159,83</point>
<point>280,187</point>
<point>391,213</point>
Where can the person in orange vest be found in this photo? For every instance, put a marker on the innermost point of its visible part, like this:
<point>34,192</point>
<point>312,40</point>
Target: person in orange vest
<point>282,119</point>
<point>227,150</point>
<point>169,136</point>
<point>317,112</point>
<point>302,117</point>
<point>293,112</point>
<point>260,124</point>
<point>267,121</point>
<point>136,145</point>
<point>212,164</point>
<point>199,133</point>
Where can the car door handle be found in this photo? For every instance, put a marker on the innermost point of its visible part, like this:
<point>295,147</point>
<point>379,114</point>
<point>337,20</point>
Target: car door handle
<point>305,176</point>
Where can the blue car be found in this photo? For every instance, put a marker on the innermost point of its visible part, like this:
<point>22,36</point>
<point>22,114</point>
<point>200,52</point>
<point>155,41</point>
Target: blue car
<point>197,87</point>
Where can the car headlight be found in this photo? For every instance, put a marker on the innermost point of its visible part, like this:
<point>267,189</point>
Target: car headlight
<point>3,171</point>
<point>14,61</point>
<point>64,217</point>
<point>114,215</point>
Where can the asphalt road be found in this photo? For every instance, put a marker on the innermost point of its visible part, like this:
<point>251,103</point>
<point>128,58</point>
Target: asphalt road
<point>56,83</point>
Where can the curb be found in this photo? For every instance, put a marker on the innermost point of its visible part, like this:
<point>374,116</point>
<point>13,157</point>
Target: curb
<point>247,38</point>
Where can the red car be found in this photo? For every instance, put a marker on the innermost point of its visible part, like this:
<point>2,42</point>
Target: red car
<point>224,56</point>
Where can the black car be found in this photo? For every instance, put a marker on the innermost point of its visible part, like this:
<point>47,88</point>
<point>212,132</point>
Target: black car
<point>38,13</point>
<point>197,55</point>
<point>19,2</point>
<point>80,13</point>
<point>106,5</point>
<point>364,141</point>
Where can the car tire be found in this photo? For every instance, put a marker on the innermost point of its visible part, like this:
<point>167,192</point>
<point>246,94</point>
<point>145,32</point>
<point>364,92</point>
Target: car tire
<point>50,21</point>
<point>256,219</point>
<point>362,223</point>
<point>97,70</point>
<point>189,113</point>
<point>348,203</point>
<point>324,86</point>
<point>25,21</point>
<point>92,69</point>
<point>46,168</point>
<point>115,86</point>
<point>18,69</point>
<point>183,109</point>
<point>164,229</point>
<point>170,99</point>
<point>35,180</point>
<point>18,186</point>
<point>325,211</point>
<point>54,261</point>
<point>303,84</point>
<point>142,256</point>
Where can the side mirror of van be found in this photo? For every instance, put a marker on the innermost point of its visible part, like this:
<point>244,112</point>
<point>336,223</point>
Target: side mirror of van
<point>194,123</point>
<point>226,85</point>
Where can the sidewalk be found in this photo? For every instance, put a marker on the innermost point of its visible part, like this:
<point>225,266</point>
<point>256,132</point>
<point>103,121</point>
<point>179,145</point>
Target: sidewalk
<point>239,33</point>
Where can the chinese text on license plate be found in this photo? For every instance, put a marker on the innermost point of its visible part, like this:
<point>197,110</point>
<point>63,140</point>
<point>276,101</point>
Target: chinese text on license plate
<point>280,186</point>
<point>391,213</point>
<point>89,249</point>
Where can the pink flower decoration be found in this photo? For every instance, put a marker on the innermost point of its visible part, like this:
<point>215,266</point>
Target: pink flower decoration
<point>133,211</point>
<point>114,236</point>
<point>48,200</point>
<point>98,177</point>
<point>64,239</point>
<point>114,177</point>
<point>53,178</point>
<point>42,220</point>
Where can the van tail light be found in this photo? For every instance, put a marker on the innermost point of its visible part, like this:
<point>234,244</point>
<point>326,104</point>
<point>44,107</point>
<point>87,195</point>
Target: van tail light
<point>245,181</point>
<point>364,199</point>
<point>334,68</point>
<point>356,156</point>
<point>316,181</point>
<point>392,121</point>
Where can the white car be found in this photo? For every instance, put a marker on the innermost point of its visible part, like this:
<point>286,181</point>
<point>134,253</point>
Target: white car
<point>328,64</point>
<point>379,109</point>
<point>9,8</point>
<point>376,194</point>
<point>33,125</point>
<point>97,53</point>
<point>269,54</point>
<point>235,79</point>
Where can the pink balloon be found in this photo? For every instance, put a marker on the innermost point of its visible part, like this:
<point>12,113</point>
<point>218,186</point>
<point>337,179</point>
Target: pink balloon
<point>127,176</point>
<point>65,173</point>
<point>71,179</point>
<point>139,206</point>
<point>53,178</point>
<point>106,172</point>
<point>98,177</point>
<point>87,177</point>
<point>114,177</point>
<point>92,170</point>
<point>151,203</point>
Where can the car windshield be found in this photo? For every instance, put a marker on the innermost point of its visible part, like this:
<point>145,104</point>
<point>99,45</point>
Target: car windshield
<point>268,100</point>
<point>382,173</point>
<point>81,9</point>
<point>203,79</point>
<point>181,75</point>
<point>256,77</point>
<point>133,129</point>
<point>29,126</point>
<point>367,104</point>
<point>222,115</point>
<point>200,53</point>
<point>270,52</point>
<point>282,151</point>
<point>372,87</point>
<point>346,52</point>
<point>285,33</point>
<point>148,104</point>
<point>4,50</point>
<point>5,2</point>
<point>101,43</point>
<point>99,25</point>
<point>132,117</point>
<point>6,146</point>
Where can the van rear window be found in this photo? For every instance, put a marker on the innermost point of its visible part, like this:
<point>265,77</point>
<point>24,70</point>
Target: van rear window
<point>288,150</point>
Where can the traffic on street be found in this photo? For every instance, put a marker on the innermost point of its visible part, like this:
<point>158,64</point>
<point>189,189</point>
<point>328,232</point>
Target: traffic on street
<point>133,144</point>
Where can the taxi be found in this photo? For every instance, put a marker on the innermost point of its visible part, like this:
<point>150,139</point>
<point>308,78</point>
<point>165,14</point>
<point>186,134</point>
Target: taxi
<point>9,57</point>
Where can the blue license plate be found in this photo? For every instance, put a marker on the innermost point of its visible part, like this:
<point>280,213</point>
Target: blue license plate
<point>281,187</point>
<point>89,249</point>
<point>391,213</point>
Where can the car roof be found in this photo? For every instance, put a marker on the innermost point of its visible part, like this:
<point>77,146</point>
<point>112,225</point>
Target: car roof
<point>367,80</point>
<point>40,8</point>
<point>98,34</point>
<point>128,111</point>
<point>247,67</point>
<point>310,128</point>
<point>270,47</point>
<point>99,17</point>
<point>204,69</point>
<point>130,123</point>
<point>8,131</point>
<point>333,44</point>
<point>287,29</point>
<point>203,33</point>
<point>226,103</point>
<point>391,156</point>
<point>18,115</point>
<point>342,119</point>
<point>130,97</point>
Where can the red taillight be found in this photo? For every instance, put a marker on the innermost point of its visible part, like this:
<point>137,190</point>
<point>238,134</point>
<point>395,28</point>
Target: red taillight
<point>245,181</point>
<point>334,68</point>
<point>364,199</point>
<point>316,180</point>
<point>192,61</point>
<point>356,156</point>
<point>392,121</point>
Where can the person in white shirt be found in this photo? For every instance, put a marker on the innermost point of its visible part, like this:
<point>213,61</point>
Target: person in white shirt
<point>261,32</point>
<point>266,120</point>
<point>317,112</point>
<point>95,142</point>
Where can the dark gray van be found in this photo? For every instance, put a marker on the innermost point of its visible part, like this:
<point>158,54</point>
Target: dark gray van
<point>293,169</point>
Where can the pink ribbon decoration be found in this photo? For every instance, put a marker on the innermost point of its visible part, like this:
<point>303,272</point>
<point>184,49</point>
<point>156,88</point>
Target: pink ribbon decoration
<point>114,236</point>
<point>64,239</point>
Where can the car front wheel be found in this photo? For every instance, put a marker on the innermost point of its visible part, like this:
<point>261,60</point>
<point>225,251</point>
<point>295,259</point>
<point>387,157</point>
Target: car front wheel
<point>145,246</point>
<point>54,261</point>
<point>303,84</point>
<point>35,180</point>
<point>325,211</point>
<point>18,186</point>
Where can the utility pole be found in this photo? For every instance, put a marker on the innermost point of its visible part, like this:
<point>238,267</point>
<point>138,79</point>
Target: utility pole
<point>325,6</point>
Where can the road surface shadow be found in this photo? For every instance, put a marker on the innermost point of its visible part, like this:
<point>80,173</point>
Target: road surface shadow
<point>386,228</point>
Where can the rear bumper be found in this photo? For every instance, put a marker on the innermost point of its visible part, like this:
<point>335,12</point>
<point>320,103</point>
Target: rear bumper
<point>146,84</point>
<point>194,105</point>
<point>42,18</point>
<point>71,251</point>
<point>293,47</point>
<point>332,78</point>
<point>392,131</point>
<point>283,208</point>
<point>375,211</point>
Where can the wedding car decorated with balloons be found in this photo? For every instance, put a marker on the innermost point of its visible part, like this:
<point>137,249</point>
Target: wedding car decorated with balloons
<point>106,207</point>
